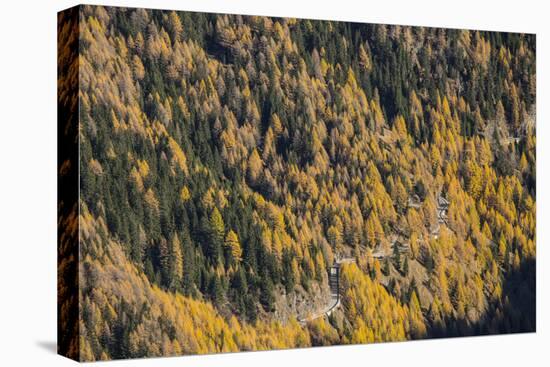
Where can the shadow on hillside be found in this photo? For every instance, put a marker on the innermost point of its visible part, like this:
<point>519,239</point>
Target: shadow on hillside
<point>514,312</point>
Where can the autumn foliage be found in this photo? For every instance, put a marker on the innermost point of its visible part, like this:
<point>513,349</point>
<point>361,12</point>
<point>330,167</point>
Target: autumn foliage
<point>227,161</point>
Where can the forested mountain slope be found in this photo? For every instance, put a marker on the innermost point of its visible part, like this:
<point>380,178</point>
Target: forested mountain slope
<point>227,160</point>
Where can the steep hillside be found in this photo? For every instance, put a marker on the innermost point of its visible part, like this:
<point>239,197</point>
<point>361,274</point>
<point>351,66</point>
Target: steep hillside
<point>226,161</point>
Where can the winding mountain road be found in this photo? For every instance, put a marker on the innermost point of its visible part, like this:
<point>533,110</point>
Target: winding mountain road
<point>334,284</point>
<point>334,270</point>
